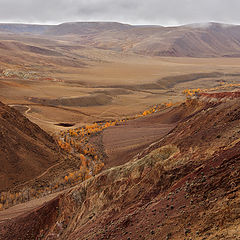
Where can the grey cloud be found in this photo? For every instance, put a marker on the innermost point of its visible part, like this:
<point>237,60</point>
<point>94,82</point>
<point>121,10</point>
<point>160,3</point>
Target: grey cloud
<point>162,12</point>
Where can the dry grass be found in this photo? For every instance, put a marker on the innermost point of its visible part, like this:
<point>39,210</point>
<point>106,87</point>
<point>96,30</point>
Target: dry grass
<point>83,85</point>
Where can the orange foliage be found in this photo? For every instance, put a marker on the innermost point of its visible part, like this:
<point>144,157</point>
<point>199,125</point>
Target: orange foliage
<point>64,145</point>
<point>170,104</point>
<point>191,92</point>
<point>66,178</point>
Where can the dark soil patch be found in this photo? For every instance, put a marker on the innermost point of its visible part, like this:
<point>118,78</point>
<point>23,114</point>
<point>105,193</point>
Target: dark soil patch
<point>85,101</point>
<point>65,124</point>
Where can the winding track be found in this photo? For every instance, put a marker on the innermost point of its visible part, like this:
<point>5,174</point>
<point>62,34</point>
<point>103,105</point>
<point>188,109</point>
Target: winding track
<point>45,121</point>
<point>121,143</point>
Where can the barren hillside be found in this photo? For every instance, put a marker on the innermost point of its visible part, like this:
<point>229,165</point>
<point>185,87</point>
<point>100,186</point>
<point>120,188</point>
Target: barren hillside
<point>26,151</point>
<point>145,138</point>
<point>195,40</point>
<point>183,186</point>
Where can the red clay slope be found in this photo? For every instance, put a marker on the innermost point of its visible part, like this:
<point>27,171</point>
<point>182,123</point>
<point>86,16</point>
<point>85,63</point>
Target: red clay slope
<point>25,149</point>
<point>185,186</point>
<point>121,143</point>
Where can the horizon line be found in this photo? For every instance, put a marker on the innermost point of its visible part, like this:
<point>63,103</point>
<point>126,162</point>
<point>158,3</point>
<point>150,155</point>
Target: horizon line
<point>124,23</point>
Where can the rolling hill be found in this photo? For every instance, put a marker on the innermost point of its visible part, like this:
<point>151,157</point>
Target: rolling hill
<point>134,158</point>
<point>195,40</point>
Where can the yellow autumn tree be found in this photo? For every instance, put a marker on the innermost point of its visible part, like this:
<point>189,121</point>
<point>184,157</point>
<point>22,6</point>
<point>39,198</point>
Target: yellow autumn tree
<point>66,178</point>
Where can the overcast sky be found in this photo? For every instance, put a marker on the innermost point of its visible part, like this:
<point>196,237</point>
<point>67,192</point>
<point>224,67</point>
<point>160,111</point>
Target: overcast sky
<point>161,12</point>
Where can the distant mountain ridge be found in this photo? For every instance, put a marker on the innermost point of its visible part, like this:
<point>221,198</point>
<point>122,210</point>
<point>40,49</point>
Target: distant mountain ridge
<point>193,40</point>
<point>23,28</point>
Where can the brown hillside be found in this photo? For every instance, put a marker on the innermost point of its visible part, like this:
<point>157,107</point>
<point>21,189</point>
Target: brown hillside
<point>185,186</point>
<point>210,40</point>
<point>196,40</point>
<point>25,149</point>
